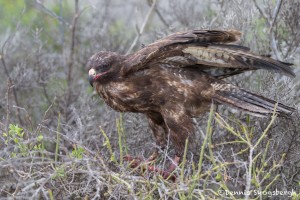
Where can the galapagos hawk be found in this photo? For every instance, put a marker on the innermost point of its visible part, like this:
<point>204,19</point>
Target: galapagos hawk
<point>177,77</point>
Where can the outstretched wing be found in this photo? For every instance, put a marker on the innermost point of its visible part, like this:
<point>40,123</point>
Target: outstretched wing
<point>212,51</point>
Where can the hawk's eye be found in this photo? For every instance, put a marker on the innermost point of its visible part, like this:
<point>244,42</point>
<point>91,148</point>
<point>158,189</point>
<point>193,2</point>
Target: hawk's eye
<point>102,68</point>
<point>105,66</point>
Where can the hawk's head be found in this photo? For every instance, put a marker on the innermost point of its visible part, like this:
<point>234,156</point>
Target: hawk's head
<point>102,66</point>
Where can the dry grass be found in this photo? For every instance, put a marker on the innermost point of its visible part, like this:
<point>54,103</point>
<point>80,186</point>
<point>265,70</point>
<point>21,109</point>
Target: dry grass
<point>58,140</point>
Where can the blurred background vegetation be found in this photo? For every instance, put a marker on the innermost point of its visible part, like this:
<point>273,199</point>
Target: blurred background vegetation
<point>58,140</point>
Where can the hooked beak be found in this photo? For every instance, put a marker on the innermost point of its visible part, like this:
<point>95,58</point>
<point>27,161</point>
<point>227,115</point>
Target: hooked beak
<point>91,80</point>
<point>92,74</point>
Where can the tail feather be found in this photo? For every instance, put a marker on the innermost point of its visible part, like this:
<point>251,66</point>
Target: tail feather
<point>257,62</point>
<point>249,102</point>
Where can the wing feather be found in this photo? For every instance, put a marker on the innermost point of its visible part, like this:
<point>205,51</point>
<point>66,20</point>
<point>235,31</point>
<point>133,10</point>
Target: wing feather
<point>204,49</point>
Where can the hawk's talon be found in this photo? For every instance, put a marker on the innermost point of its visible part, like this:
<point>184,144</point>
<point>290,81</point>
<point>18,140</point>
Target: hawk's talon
<point>133,161</point>
<point>146,165</point>
<point>166,174</point>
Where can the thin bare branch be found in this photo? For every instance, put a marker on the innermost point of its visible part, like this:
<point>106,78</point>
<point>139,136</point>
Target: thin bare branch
<point>72,51</point>
<point>10,81</point>
<point>160,16</point>
<point>263,14</point>
<point>218,15</point>
<point>275,14</point>
<point>141,30</point>
<point>270,23</point>
<point>271,31</point>
<point>40,6</point>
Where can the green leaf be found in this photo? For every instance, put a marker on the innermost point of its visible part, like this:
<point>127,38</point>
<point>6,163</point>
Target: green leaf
<point>40,137</point>
<point>219,177</point>
<point>16,140</point>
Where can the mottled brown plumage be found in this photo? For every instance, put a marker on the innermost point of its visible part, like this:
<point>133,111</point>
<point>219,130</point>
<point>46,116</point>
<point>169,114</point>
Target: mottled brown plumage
<point>176,78</point>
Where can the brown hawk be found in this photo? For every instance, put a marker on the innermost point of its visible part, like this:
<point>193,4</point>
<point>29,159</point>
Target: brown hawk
<point>176,78</point>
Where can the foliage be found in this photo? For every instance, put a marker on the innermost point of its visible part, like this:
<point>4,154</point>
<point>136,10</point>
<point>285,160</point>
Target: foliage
<point>16,137</point>
<point>77,152</point>
<point>58,140</point>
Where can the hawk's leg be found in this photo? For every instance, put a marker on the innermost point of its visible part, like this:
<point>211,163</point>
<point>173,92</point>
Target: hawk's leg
<point>179,127</point>
<point>159,129</point>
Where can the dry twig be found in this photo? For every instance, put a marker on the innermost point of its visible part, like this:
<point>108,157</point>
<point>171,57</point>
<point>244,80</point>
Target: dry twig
<point>141,30</point>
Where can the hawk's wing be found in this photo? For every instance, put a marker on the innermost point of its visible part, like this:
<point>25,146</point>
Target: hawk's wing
<point>212,51</point>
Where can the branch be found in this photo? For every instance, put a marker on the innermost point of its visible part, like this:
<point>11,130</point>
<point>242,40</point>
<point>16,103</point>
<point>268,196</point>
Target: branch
<point>39,5</point>
<point>10,81</point>
<point>159,14</point>
<point>275,14</point>
<point>274,46</point>
<point>7,107</point>
<point>261,12</point>
<point>141,30</point>
<point>161,17</point>
<point>219,13</point>
<point>249,174</point>
<point>72,50</point>
<point>270,22</point>
<point>273,40</point>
